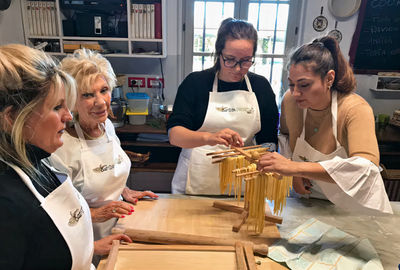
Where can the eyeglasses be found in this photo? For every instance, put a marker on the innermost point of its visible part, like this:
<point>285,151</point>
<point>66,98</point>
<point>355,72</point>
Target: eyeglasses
<point>231,63</point>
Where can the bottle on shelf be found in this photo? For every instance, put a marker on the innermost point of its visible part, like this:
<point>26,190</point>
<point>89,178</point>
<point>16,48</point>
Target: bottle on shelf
<point>157,98</point>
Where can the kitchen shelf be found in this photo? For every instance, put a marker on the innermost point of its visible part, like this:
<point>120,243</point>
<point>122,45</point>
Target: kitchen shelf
<point>156,167</point>
<point>385,93</point>
<point>123,46</point>
<point>141,129</point>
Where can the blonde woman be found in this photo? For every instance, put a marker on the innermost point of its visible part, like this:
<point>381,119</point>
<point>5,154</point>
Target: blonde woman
<point>46,223</point>
<point>92,154</point>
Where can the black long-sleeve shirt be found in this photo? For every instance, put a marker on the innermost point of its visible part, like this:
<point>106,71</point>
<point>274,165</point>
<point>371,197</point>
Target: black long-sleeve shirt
<point>30,239</point>
<point>191,102</point>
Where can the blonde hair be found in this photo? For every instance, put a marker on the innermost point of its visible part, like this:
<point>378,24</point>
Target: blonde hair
<point>86,66</point>
<point>27,77</point>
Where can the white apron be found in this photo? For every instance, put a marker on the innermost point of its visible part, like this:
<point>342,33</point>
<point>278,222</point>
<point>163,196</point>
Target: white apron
<point>105,168</point>
<point>237,110</point>
<point>71,215</point>
<point>303,151</point>
<point>339,193</point>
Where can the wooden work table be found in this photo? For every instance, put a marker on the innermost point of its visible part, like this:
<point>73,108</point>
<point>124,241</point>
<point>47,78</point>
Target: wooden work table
<point>194,215</point>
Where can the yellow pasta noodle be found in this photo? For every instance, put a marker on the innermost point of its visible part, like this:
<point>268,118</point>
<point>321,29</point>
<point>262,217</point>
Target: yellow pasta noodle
<point>258,187</point>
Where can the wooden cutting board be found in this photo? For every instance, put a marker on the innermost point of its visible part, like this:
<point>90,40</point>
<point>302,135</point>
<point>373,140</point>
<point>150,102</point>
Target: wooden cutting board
<point>196,216</point>
<point>193,216</point>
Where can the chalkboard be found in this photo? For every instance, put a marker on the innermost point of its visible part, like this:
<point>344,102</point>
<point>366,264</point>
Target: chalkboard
<point>376,42</point>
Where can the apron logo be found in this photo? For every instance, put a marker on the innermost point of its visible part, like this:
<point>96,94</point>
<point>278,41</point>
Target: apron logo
<point>240,109</point>
<point>306,159</point>
<point>303,159</point>
<point>103,168</point>
<point>75,216</point>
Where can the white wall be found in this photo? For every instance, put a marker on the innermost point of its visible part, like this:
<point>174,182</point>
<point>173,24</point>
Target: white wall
<point>312,9</point>
<point>11,30</point>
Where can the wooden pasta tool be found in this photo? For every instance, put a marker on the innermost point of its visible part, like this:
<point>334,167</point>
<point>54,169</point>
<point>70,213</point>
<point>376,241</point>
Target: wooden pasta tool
<point>148,236</point>
<point>252,154</point>
<point>122,255</point>
<point>247,151</point>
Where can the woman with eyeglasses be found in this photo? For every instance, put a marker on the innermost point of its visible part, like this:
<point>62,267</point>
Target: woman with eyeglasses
<point>219,107</point>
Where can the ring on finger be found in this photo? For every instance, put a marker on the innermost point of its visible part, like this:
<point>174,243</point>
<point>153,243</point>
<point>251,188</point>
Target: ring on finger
<point>114,210</point>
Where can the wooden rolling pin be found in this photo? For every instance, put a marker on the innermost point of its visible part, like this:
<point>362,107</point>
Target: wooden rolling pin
<point>184,239</point>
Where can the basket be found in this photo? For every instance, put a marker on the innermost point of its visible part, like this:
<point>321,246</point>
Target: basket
<point>138,159</point>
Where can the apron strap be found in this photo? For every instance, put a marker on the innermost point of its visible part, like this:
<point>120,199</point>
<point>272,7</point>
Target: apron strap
<point>334,118</point>
<point>81,137</point>
<point>215,83</point>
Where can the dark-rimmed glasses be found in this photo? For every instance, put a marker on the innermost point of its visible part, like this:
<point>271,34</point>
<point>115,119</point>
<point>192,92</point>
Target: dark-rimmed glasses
<point>231,63</point>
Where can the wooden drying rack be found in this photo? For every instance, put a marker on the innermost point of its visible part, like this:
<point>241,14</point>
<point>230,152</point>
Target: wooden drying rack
<point>219,156</point>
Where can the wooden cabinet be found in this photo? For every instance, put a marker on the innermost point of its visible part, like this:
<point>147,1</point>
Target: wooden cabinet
<point>61,26</point>
<point>389,148</point>
<point>155,174</point>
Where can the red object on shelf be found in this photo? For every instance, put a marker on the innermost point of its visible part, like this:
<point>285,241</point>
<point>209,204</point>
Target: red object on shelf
<point>157,21</point>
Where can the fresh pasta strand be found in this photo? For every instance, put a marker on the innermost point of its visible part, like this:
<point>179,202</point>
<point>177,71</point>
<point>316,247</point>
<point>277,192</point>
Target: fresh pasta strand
<point>258,187</point>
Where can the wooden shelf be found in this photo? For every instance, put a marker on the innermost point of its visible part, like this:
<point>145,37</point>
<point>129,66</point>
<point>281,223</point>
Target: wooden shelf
<point>140,129</point>
<point>146,143</point>
<point>156,167</point>
<point>126,45</point>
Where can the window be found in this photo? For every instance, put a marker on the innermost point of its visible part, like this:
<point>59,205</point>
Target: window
<point>276,34</point>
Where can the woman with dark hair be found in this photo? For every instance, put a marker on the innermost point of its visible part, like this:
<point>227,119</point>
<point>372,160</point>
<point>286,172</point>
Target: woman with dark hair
<point>328,131</point>
<point>218,107</point>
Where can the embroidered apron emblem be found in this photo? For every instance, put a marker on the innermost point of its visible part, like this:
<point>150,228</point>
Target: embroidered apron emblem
<point>75,216</point>
<point>248,110</point>
<point>104,168</point>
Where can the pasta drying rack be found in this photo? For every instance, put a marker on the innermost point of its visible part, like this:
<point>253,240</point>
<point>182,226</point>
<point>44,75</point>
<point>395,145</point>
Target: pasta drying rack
<point>251,153</point>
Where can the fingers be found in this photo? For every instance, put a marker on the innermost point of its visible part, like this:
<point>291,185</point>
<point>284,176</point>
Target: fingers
<point>120,209</point>
<point>150,194</point>
<point>226,137</point>
<point>125,238</point>
<point>266,162</point>
<point>299,187</point>
<point>307,185</point>
<point>131,199</point>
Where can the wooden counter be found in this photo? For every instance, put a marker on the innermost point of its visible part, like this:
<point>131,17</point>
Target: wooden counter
<point>195,215</point>
<point>382,231</point>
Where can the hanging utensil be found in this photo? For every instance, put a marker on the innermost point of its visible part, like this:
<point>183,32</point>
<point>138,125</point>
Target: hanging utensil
<point>336,34</point>
<point>321,22</point>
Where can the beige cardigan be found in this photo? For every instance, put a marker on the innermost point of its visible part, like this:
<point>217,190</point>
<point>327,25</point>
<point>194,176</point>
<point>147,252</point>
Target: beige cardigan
<point>355,126</point>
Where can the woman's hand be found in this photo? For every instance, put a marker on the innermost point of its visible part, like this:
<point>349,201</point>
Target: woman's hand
<point>302,185</point>
<point>132,196</point>
<point>115,209</point>
<point>103,246</point>
<point>274,162</point>
<point>226,137</point>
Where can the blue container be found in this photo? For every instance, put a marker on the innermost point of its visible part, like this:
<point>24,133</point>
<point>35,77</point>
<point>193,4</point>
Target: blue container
<point>138,102</point>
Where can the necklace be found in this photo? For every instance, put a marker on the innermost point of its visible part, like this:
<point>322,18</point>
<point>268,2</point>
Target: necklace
<point>100,127</point>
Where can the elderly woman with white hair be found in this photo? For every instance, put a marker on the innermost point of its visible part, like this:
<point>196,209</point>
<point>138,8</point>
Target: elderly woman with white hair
<point>45,222</point>
<point>91,153</point>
